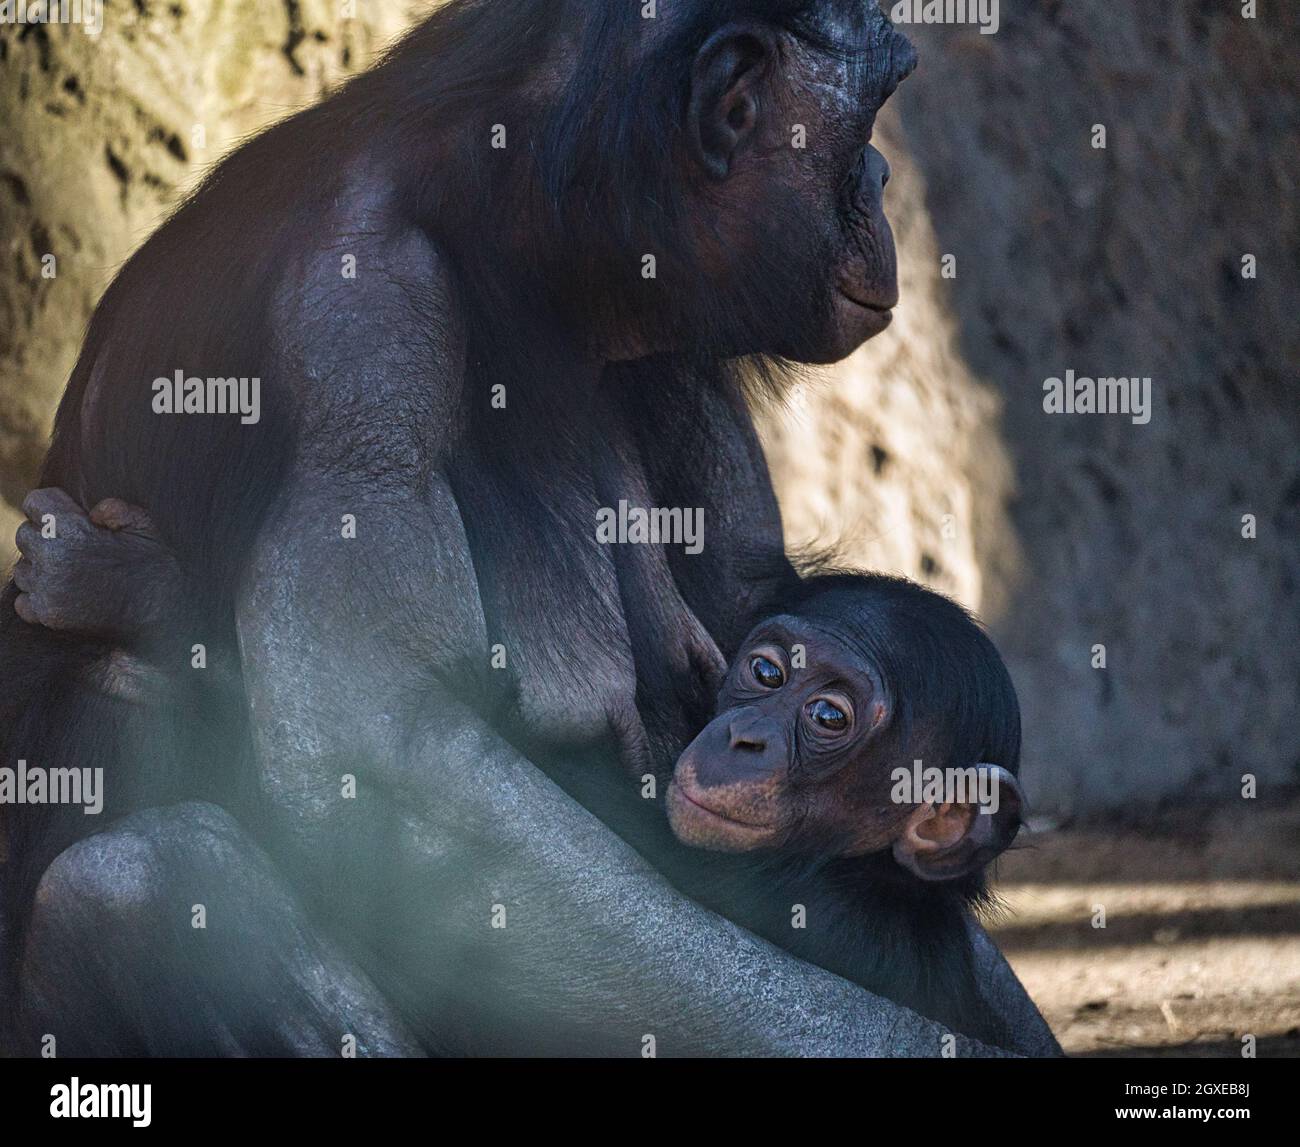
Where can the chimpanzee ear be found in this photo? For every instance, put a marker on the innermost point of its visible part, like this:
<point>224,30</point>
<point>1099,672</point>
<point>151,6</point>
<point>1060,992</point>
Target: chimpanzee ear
<point>943,842</point>
<point>726,89</point>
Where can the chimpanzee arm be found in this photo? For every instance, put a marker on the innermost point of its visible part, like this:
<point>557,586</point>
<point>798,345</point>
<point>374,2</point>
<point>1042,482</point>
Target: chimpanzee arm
<point>501,915</point>
<point>1007,998</point>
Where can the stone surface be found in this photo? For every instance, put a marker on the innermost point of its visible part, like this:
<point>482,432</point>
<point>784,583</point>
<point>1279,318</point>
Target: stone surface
<point>103,134</point>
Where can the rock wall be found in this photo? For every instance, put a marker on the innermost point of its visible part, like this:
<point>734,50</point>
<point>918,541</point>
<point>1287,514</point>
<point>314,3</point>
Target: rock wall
<point>103,134</point>
<point>929,452</point>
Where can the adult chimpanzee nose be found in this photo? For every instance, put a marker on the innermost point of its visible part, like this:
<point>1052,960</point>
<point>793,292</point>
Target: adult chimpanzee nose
<point>877,167</point>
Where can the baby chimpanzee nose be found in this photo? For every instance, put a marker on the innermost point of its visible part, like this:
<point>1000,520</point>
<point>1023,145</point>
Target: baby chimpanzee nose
<point>738,748</point>
<point>750,731</point>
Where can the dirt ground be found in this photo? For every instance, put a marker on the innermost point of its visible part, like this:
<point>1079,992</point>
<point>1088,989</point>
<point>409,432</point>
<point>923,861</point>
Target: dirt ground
<point>1201,939</point>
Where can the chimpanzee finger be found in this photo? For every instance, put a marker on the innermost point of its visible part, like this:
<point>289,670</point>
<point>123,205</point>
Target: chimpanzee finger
<point>51,500</point>
<point>115,514</point>
<point>26,607</point>
<point>24,575</point>
<point>28,540</point>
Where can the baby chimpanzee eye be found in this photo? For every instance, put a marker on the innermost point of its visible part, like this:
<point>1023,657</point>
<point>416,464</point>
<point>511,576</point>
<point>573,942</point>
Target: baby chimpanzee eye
<point>828,716</point>
<point>767,672</point>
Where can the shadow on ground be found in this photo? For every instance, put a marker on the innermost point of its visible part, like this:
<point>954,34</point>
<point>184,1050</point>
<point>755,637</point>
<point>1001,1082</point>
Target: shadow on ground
<point>1178,937</point>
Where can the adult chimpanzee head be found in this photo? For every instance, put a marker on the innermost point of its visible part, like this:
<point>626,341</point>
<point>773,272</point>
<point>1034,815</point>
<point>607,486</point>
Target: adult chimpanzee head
<point>693,175</point>
<point>787,190</point>
<point>861,675</point>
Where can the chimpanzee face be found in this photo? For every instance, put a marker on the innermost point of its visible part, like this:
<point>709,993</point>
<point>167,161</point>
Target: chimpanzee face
<point>792,213</point>
<point>790,759</point>
<point>802,755</point>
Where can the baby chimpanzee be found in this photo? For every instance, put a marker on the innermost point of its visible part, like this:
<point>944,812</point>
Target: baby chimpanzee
<point>843,803</point>
<point>861,773</point>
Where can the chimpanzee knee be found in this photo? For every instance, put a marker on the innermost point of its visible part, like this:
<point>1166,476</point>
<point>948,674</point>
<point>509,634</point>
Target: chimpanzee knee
<point>170,934</point>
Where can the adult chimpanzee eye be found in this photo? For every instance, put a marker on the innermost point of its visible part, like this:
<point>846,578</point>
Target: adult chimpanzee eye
<point>828,716</point>
<point>767,672</point>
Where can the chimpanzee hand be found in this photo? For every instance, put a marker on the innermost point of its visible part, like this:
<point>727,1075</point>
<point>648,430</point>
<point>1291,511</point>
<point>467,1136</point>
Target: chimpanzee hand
<point>106,574</point>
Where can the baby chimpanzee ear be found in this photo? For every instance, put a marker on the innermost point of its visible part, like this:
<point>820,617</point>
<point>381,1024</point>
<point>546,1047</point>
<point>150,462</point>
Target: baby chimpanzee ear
<point>945,841</point>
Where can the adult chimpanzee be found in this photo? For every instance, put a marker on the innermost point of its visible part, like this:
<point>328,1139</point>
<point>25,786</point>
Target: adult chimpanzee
<point>492,285</point>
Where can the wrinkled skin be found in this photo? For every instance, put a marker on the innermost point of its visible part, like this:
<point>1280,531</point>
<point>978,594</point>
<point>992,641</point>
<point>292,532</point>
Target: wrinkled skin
<point>367,658</point>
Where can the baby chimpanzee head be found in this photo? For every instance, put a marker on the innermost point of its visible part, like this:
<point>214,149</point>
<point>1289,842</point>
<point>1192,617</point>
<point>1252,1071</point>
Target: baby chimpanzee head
<point>821,720</point>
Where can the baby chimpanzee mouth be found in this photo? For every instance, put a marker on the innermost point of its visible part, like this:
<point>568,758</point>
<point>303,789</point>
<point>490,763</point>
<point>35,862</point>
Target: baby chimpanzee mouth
<point>685,795</point>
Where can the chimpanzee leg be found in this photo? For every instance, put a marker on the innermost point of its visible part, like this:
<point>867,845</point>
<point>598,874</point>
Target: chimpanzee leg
<point>170,933</point>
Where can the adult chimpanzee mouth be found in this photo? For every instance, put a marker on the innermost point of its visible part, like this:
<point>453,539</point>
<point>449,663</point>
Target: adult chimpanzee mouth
<point>864,318</point>
<point>866,305</point>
